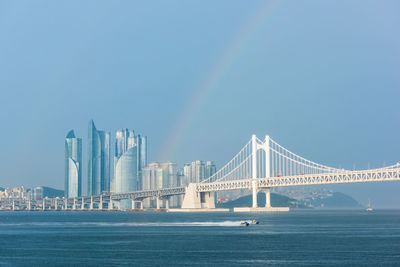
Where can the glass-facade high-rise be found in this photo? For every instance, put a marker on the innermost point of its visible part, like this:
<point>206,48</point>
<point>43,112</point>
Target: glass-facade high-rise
<point>125,162</point>
<point>211,169</point>
<point>129,160</point>
<point>141,142</point>
<point>99,150</point>
<point>73,165</point>
<point>198,170</point>
<point>157,176</point>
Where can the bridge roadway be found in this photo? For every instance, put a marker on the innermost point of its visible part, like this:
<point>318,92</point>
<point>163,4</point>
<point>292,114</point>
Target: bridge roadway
<point>377,175</point>
<point>140,195</point>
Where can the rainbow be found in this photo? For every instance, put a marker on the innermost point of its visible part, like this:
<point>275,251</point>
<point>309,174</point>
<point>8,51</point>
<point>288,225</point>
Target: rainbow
<point>181,127</point>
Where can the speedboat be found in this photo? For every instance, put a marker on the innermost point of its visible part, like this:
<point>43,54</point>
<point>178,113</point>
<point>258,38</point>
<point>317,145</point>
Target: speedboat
<point>254,222</point>
<point>244,223</point>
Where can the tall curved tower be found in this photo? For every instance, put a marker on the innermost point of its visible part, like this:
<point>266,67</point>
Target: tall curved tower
<point>99,145</point>
<point>73,165</point>
<point>130,156</point>
<point>126,179</point>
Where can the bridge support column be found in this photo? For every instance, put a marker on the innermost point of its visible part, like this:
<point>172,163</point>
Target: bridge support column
<point>29,207</point>
<point>133,204</point>
<point>74,205</point>
<point>83,203</point>
<point>110,204</point>
<point>91,203</point>
<point>65,204</point>
<point>207,200</point>
<point>158,200</point>
<point>267,197</point>
<point>101,203</point>
<point>192,198</point>
<point>13,204</point>
<point>139,206</point>
<point>167,203</point>
<point>44,204</point>
<point>267,157</point>
<point>254,192</point>
<point>198,201</point>
<point>254,169</point>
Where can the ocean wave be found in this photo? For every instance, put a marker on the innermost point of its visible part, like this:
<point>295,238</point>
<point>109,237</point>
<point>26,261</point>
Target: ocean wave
<point>122,224</point>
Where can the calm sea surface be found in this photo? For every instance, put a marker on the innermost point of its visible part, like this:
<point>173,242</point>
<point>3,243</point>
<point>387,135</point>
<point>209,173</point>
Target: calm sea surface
<point>150,238</point>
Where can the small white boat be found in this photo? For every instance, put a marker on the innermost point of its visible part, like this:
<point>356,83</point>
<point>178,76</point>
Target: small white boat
<point>369,206</point>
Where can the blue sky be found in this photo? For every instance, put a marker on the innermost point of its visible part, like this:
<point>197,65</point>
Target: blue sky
<point>198,78</point>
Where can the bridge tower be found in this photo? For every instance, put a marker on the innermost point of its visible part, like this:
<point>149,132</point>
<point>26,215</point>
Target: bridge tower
<point>267,171</point>
<point>260,166</point>
<point>254,169</point>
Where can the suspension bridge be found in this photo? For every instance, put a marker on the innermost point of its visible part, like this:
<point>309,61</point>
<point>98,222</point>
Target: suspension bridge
<point>259,166</point>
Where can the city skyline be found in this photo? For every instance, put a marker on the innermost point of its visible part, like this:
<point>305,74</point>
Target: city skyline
<point>132,173</point>
<point>326,90</point>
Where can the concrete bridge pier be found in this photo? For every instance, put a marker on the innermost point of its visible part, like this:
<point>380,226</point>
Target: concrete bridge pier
<point>135,201</point>
<point>13,204</point>
<point>29,207</point>
<point>158,203</point>
<point>91,203</point>
<point>65,204</point>
<point>167,203</point>
<point>110,204</point>
<point>267,197</point>
<point>194,201</point>
<point>74,204</point>
<point>44,204</point>
<point>101,203</point>
<point>254,193</point>
<point>82,203</point>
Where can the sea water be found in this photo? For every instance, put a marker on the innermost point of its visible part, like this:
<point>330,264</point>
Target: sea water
<point>159,238</point>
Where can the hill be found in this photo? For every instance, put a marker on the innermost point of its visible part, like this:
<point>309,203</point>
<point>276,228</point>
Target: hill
<point>51,192</point>
<point>276,201</point>
<point>335,200</point>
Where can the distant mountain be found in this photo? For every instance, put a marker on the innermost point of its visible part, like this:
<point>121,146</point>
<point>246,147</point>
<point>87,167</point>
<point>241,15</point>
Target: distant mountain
<point>334,200</point>
<point>276,201</point>
<point>51,192</point>
<point>319,197</point>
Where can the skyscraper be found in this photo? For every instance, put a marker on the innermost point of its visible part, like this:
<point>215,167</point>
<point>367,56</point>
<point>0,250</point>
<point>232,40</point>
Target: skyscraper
<point>73,165</point>
<point>157,176</point>
<point>211,169</point>
<point>130,158</point>
<point>198,170</point>
<point>99,145</point>
<point>141,142</point>
<point>125,162</point>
